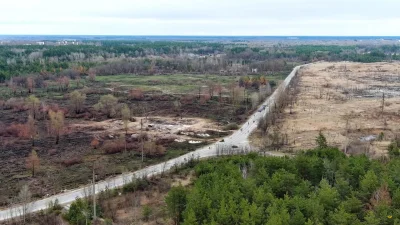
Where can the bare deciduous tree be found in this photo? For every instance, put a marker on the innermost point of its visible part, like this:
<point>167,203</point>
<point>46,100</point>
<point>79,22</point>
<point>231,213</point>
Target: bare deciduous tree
<point>107,105</point>
<point>31,125</point>
<point>218,89</point>
<point>30,84</point>
<point>126,116</point>
<point>178,107</point>
<point>92,75</point>
<point>145,109</point>
<point>56,123</point>
<point>238,95</point>
<point>12,86</point>
<point>77,100</point>
<point>33,104</point>
<point>33,162</point>
<point>232,87</point>
<point>24,197</point>
<point>383,103</point>
<point>63,83</point>
<point>136,94</point>
<point>211,87</point>
<point>255,100</point>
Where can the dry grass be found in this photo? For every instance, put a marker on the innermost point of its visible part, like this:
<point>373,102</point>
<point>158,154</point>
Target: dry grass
<point>344,101</point>
<point>128,208</point>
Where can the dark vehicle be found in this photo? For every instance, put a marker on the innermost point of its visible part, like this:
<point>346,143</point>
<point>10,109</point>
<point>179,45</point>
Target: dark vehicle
<point>262,108</point>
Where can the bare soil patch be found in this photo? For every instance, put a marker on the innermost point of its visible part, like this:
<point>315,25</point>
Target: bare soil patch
<point>179,129</point>
<point>345,101</point>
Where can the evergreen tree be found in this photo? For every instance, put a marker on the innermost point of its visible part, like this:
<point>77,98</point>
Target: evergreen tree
<point>190,218</point>
<point>321,141</point>
<point>176,203</point>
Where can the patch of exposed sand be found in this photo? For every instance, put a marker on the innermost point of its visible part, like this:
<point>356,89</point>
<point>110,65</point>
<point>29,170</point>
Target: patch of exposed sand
<point>344,101</point>
<point>154,126</point>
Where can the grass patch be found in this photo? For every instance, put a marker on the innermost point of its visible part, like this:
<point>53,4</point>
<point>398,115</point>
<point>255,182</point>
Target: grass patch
<point>172,83</point>
<point>231,126</point>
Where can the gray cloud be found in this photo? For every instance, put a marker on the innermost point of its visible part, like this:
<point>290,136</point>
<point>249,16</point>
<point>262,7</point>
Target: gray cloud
<point>208,17</point>
<point>255,9</point>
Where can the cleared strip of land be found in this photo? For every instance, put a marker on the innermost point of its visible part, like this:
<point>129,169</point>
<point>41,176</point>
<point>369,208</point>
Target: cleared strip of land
<point>356,106</point>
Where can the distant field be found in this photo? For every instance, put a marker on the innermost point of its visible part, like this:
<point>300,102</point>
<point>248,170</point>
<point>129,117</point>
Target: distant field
<point>169,84</point>
<point>173,83</point>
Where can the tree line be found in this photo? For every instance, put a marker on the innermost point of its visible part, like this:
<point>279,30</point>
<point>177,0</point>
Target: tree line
<point>192,56</point>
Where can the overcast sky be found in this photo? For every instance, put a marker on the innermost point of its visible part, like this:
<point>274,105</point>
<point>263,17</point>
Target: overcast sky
<point>201,17</point>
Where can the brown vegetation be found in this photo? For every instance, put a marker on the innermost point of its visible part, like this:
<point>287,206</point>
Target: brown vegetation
<point>346,102</point>
<point>94,143</point>
<point>32,162</point>
<point>56,123</point>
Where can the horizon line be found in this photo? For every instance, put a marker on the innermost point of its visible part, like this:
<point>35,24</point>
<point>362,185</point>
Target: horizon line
<point>197,35</point>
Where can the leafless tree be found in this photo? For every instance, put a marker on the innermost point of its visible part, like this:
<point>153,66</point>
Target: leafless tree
<point>126,116</point>
<point>32,162</point>
<point>24,198</point>
<point>211,87</point>
<point>57,123</point>
<point>30,84</point>
<point>178,107</point>
<point>142,139</point>
<point>31,125</point>
<point>12,86</point>
<point>107,104</point>
<point>33,104</point>
<point>77,99</point>
<point>255,100</point>
<point>94,193</point>
<point>383,103</point>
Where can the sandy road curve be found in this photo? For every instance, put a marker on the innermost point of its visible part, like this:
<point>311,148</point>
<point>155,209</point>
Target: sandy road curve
<point>238,138</point>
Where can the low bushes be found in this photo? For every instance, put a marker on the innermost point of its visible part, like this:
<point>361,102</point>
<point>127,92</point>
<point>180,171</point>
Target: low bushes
<point>231,126</point>
<point>136,185</point>
<point>113,147</point>
<point>72,161</point>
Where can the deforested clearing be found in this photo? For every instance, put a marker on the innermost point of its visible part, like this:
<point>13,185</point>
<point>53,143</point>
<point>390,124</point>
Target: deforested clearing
<point>355,105</point>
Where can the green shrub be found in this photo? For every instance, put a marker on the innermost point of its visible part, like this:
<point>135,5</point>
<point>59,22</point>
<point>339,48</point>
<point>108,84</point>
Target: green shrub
<point>135,185</point>
<point>231,126</point>
<point>78,213</point>
<point>381,136</point>
<point>147,211</point>
<point>81,212</point>
<point>393,149</point>
<point>108,221</point>
<point>54,206</point>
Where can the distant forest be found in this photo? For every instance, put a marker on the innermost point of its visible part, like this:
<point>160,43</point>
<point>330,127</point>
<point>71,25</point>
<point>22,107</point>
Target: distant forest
<point>163,57</point>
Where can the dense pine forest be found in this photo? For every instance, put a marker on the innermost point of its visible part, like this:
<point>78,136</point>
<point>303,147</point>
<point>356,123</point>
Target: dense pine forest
<point>320,186</point>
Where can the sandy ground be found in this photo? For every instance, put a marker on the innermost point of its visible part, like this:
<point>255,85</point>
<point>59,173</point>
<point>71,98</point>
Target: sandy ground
<point>193,129</point>
<point>344,101</point>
